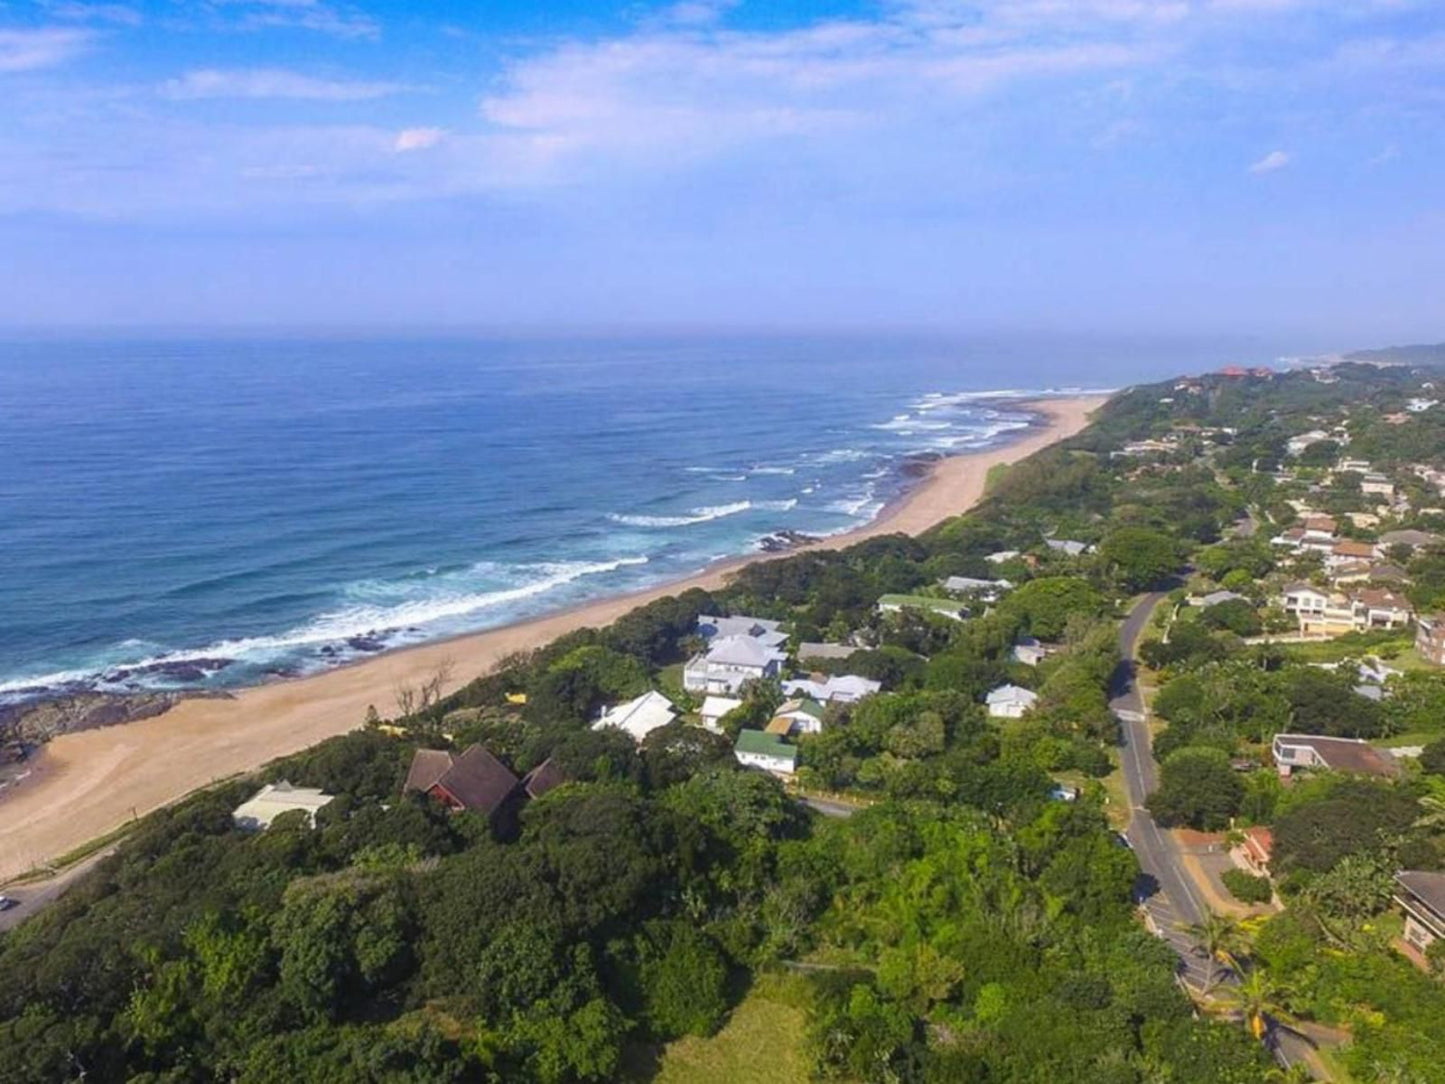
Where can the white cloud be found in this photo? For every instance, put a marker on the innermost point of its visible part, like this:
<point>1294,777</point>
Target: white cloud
<point>1270,163</point>
<point>43,47</point>
<point>273,83</point>
<point>417,139</point>
<point>315,15</point>
<point>74,11</point>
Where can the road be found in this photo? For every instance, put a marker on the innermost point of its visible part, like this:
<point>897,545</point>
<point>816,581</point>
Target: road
<point>34,896</point>
<point>1166,892</point>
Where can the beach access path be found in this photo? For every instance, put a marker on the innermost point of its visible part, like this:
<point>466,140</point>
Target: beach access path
<point>89,784</point>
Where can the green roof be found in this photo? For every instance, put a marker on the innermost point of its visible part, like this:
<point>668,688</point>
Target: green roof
<point>807,705</point>
<point>764,745</point>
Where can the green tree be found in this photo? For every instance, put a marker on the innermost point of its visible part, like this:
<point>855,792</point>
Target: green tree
<point>1198,788</point>
<point>1140,557</point>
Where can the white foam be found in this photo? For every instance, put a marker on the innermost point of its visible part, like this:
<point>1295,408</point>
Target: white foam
<point>772,470</point>
<point>357,620</point>
<point>778,506</point>
<point>698,515</point>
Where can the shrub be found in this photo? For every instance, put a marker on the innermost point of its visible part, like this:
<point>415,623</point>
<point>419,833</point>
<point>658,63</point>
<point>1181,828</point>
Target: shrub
<point>1247,888</point>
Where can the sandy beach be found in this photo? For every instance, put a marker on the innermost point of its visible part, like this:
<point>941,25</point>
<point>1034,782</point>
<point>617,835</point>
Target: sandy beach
<point>87,784</point>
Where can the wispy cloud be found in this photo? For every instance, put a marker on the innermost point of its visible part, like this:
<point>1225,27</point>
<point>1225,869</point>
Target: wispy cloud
<point>273,83</point>
<point>41,47</point>
<point>1270,163</point>
<point>343,22</point>
<point>417,139</point>
<point>74,11</point>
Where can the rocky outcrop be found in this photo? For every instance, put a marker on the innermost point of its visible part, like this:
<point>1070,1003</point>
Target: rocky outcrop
<point>36,722</point>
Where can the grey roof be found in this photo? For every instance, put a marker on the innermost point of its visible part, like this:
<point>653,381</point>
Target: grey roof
<point>1427,886</point>
<point>741,651</point>
<point>758,628</point>
<point>1214,598</point>
<point>1409,537</point>
<point>1066,545</point>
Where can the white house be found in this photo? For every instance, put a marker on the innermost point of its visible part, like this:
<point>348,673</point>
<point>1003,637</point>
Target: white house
<point>800,716</point>
<point>844,688</point>
<point>273,799</point>
<point>1068,546</point>
<point>639,716</point>
<point>1419,406</point>
<point>716,628</point>
<point>987,590</point>
<point>755,749</point>
<point>1296,445</point>
<point>1001,556</point>
<point>1030,651</point>
<point>1291,751</point>
<point>1010,701</point>
<point>714,708</point>
<point>729,662</point>
<point>1378,485</point>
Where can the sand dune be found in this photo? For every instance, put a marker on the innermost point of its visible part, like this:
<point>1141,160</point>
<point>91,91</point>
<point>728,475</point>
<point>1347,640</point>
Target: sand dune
<point>89,783</point>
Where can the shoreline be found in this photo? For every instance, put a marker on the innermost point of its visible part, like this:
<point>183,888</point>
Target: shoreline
<point>84,784</point>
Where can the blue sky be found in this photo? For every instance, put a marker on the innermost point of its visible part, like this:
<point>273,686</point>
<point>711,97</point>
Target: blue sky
<point>1242,166</point>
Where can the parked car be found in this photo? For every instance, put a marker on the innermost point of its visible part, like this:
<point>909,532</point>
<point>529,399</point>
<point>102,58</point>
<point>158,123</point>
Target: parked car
<point>6,903</point>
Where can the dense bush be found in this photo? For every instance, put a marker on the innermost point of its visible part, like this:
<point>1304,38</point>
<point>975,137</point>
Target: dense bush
<point>1246,887</point>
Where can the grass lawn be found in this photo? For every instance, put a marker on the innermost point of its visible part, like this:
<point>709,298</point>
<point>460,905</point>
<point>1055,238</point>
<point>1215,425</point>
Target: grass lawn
<point>762,1042</point>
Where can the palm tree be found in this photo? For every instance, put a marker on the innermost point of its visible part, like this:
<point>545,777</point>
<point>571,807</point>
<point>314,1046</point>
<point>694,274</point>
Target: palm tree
<point>1223,940</point>
<point>1259,999</point>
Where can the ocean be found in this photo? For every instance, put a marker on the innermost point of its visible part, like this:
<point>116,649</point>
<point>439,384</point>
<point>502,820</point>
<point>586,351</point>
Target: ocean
<point>189,513</point>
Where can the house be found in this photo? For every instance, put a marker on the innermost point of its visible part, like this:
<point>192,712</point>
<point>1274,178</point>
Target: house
<point>1320,527</point>
<point>1030,651</point>
<point>1419,406</point>
<point>1064,792</point>
<point>1333,613</point>
<point>729,663</point>
<point>1430,638</point>
<point>1291,751</point>
<point>755,749</point>
<point>1214,598</point>
<point>1068,547</point>
<point>1381,608</point>
<point>1347,550</point>
<point>940,607</point>
<point>1002,556</point>
<point>1296,445</point>
<point>1354,466</point>
<point>1364,520</point>
<point>757,628</point>
<point>473,779</point>
<point>986,590</point>
<point>1253,853</point>
<point>1378,485</point>
<point>797,716</point>
<point>843,688</point>
<point>640,716</point>
<point>714,708</point>
<point>1412,538</point>
<point>274,799</point>
<point>1010,701</point>
<point>1421,895</point>
<point>824,652</point>
<point>542,778</point>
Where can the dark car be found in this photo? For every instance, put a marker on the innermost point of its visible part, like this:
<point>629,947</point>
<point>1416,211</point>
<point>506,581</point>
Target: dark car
<point>6,903</point>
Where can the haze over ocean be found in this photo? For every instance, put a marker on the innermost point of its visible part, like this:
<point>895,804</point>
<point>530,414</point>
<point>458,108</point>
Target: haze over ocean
<point>287,505</point>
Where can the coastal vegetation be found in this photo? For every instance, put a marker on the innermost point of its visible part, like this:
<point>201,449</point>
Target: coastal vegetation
<point>971,921</point>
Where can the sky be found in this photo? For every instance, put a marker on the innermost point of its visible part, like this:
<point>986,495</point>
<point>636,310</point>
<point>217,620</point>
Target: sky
<point>1167,166</point>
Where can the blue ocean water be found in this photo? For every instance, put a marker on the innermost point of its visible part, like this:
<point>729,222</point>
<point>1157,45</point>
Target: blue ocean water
<point>215,513</point>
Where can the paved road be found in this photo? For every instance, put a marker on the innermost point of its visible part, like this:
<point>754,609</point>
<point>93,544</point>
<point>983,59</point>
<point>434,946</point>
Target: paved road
<point>35,895</point>
<point>1166,893</point>
<point>1169,899</point>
